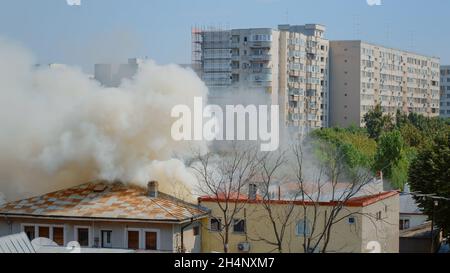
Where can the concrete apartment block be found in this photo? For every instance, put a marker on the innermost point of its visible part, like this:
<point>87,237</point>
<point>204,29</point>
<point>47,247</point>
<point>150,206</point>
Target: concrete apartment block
<point>112,75</point>
<point>287,66</point>
<point>364,75</point>
<point>445,91</point>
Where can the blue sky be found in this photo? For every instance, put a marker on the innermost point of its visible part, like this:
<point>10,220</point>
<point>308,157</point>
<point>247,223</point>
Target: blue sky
<point>111,30</point>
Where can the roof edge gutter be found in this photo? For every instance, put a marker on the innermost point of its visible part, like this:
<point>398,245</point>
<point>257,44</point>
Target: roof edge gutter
<point>72,218</point>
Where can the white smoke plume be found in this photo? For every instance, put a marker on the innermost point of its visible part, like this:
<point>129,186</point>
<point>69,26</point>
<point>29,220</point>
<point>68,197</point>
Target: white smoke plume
<point>60,128</point>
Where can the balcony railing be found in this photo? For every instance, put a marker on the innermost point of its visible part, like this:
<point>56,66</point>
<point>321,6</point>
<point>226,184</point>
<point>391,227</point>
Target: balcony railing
<point>262,57</point>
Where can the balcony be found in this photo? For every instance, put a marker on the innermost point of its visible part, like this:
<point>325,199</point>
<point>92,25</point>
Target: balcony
<point>263,57</point>
<point>260,44</point>
<point>262,70</point>
<point>262,77</point>
<point>217,56</point>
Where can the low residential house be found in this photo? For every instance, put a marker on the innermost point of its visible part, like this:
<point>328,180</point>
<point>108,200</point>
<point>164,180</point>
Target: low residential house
<point>107,215</point>
<point>418,239</point>
<point>366,224</point>
<point>411,215</point>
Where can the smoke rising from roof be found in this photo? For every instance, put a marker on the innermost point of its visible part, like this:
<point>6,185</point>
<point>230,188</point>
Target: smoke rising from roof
<point>60,128</point>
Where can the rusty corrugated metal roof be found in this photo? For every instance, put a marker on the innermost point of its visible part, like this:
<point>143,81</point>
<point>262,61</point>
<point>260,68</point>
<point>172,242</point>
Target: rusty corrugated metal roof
<point>105,201</point>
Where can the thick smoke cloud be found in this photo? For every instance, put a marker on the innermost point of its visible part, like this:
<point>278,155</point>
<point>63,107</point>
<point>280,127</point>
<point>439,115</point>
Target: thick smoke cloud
<point>60,128</point>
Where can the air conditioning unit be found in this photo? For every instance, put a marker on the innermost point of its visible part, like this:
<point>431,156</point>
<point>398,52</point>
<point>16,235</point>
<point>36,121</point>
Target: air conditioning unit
<point>244,247</point>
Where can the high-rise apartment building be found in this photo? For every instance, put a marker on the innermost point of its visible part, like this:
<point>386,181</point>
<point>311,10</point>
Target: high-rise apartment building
<point>288,66</point>
<point>445,91</point>
<point>363,75</point>
<point>112,75</point>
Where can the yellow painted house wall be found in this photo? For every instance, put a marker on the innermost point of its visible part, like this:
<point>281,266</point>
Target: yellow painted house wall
<point>386,232</point>
<point>345,237</point>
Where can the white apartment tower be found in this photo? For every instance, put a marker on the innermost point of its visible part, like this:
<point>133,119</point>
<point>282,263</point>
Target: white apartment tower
<point>288,65</point>
<point>364,75</point>
<point>445,91</point>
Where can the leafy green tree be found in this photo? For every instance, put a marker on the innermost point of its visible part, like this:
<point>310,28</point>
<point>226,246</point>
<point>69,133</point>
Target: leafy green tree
<point>430,174</point>
<point>412,135</point>
<point>391,158</point>
<point>377,123</point>
<point>357,148</point>
<point>401,119</point>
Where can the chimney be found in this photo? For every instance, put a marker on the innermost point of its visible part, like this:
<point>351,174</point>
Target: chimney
<point>279,193</point>
<point>152,189</point>
<point>252,190</point>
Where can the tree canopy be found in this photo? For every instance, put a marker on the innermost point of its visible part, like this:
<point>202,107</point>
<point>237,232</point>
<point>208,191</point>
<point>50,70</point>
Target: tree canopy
<point>430,173</point>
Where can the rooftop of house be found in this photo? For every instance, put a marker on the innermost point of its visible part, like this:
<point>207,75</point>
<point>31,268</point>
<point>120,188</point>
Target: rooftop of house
<point>324,191</point>
<point>105,201</point>
<point>360,201</point>
<point>421,231</point>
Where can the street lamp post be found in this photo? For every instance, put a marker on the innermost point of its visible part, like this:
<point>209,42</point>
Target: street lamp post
<point>435,204</point>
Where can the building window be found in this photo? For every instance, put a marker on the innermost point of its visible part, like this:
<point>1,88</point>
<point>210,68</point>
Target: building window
<point>404,224</point>
<point>351,220</point>
<point>82,236</point>
<point>133,239</point>
<point>215,224</point>
<point>378,215</point>
<point>106,238</point>
<point>196,230</point>
<point>54,233</point>
<point>30,231</point>
<point>239,226</point>
<point>303,228</point>
<point>58,235</point>
<point>151,239</point>
<point>44,232</point>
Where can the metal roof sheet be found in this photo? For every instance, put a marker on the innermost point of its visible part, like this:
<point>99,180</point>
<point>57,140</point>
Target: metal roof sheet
<point>16,243</point>
<point>116,201</point>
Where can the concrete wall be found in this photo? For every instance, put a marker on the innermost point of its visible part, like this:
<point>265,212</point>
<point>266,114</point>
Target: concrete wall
<point>346,236</point>
<point>383,231</point>
<point>417,245</point>
<point>396,79</point>
<point>345,83</point>
<point>445,92</point>
<point>192,243</point>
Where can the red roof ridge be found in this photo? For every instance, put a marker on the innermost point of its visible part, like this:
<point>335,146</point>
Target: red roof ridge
<point>361,201</point>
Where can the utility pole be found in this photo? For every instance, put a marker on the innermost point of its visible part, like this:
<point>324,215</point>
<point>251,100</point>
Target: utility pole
<point>435,199</point>
<point>435,204</point>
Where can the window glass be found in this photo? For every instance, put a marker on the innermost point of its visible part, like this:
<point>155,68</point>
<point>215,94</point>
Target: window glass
<point>58,235</point>
<point>303,228</point>
<point>151,241</point>
<point>133,239</point>
<point>239,225</point>
<point>29,230</point>
<point>83,236</point>
<point>215,224</point>
<point>44,232</point>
